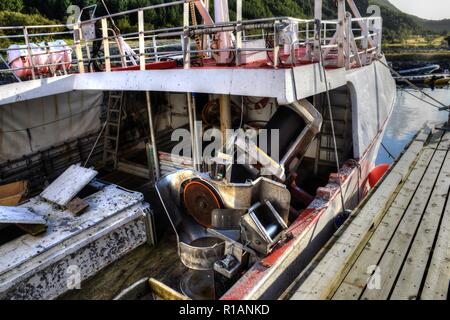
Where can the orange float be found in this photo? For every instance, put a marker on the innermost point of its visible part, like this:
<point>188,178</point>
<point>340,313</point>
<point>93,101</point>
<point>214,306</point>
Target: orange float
<point>377,173</point>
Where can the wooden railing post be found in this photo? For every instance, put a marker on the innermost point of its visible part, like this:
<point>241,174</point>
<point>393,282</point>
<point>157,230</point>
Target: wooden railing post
<point>141,40</point>
<point>239,31</point>
<point>106,45</point>
<point>341,33</point>
<point>347,40</point>
<point>186,39</point>
<point>78,51</point>
<point>365,41</point>
<point>276,45</point>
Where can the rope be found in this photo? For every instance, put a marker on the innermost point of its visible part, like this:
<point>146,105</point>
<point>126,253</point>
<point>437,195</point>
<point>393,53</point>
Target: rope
<point>241,123</point>
<point>423,100</point>
<point>336,153</point>
<point>110,17</point>
<point>95,144</point>
<point>198,40</point>
<point>444,106</point>
<point>387,151</point>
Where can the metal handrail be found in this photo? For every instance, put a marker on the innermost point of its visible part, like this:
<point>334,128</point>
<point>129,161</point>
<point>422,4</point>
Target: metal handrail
<point>176,36</point>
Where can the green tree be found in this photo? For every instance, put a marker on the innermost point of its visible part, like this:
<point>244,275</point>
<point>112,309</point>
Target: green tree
<point>11,5</point>
<point>447,38</point>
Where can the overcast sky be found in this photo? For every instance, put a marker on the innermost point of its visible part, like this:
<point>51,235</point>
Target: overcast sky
<point>428,9</point>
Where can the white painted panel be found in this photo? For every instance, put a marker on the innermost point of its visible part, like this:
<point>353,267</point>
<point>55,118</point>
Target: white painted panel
<point>63,225</point>
<point>373,92</point>
<point>68,184</point>
<point>310,80</point>
<point>12,215</point>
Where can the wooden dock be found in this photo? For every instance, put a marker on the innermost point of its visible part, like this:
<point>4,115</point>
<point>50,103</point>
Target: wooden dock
<point>396,244</point>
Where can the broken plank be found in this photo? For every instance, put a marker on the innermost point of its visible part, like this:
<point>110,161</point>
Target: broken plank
<point>67,185</point>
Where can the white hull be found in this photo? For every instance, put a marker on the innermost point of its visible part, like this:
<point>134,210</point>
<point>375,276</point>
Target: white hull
<point>269,278</point>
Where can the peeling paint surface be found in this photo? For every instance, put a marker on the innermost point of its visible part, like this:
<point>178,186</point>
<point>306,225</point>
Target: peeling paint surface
<point>38,267</point>
<point>68,184</point>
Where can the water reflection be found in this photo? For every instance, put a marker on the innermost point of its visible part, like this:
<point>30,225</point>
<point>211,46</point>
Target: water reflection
<point>408,117</point>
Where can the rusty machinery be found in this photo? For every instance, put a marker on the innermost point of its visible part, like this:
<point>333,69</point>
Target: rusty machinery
<point>224,223</point>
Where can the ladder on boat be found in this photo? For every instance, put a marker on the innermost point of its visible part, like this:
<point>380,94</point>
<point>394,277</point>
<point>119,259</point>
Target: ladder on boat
<point>342,117</point>
<point>112,130</point>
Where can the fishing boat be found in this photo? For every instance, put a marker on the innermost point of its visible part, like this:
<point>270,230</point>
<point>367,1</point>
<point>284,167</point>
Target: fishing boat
<point>249,141</point>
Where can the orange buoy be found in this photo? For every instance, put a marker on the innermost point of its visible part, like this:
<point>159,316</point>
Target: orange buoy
<point>377,173</point>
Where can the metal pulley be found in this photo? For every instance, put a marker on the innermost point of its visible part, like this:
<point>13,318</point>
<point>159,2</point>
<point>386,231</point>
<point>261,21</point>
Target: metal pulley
<point>200,201</point>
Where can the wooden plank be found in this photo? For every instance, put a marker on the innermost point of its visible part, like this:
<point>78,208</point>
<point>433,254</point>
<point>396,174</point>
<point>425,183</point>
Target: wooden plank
<point>358,277</point>
<point>445,142</point>
<point>403,198</point>
<point>392,260</point>
<point>437,280</point>
<point>106,45</point>
<point>164,292</point>
<point>329,273</point>
<point>424,134</point>
<point>68,184</point>
<point>413,271</point>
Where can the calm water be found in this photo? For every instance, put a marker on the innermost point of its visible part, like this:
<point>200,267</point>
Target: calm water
<point>408,117</point>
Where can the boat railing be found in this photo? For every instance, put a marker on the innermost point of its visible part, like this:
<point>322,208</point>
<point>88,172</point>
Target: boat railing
<point>97,45</point>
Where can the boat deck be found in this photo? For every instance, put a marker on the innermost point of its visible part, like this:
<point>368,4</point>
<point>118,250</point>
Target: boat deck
<point>160,262</point>
<point>396,244</point>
